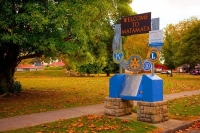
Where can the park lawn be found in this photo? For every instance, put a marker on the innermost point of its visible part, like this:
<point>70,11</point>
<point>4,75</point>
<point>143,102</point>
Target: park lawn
<point>45,93</point>
<point>91,124</point>
<point>51,90</point>
<point>187,108</point>
<point>180,83</point>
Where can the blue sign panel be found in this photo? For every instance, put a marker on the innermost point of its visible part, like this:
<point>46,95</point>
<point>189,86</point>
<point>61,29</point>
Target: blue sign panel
<point>155,44</point>
<point>156,38</point>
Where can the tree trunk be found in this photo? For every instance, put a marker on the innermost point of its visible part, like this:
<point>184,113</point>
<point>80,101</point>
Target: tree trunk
<point>7,79</point>
<point>171,74</point>
<point>8,63</point>
<point>108,74</point>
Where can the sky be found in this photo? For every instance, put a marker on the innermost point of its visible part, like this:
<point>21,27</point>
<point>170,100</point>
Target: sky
<point>169,11</point>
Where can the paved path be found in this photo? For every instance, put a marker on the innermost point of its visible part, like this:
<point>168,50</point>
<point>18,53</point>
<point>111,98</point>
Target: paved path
<point>50,116</point>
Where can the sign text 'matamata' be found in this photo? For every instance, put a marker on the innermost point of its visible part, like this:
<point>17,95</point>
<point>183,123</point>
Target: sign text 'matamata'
<point>136,24</point>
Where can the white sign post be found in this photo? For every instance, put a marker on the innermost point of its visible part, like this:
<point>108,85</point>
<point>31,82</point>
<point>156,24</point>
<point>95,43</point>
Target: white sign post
<point>156,38</point>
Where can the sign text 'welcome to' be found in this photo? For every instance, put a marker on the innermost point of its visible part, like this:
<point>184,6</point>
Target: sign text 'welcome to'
<point>136,24</point>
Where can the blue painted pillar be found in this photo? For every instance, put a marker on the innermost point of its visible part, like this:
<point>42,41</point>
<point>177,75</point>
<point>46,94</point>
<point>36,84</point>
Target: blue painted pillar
<point>152,88</point>
<point>115,85</point>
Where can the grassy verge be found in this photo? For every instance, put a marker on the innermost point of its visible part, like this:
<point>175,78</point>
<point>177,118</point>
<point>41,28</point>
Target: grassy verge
<point>91,124</point>
<point>187,108</point>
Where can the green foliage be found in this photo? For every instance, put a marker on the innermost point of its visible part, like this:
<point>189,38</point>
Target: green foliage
<point>181,43</point>
<point>80,29</point>
<point>191,43</point>
<point>111,66</point>
<point>90,68</point>
<point>16,87</point>
<point>53,68</point>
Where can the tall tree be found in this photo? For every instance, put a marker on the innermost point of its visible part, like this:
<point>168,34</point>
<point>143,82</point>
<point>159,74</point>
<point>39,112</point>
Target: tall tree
<point>33,28</point>
<point>169,48</point>
<point>98,48</point>
<point>178,43</point>
<point>191,45</point>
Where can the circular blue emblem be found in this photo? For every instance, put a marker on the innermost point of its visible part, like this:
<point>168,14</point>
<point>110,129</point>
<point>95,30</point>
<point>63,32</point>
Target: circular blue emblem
<point>118,56</point>
<point>153,55</point>
<point>147,65</point>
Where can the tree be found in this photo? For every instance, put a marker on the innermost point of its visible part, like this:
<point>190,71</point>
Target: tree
<point>137,44</point>
<point>169,48</point>
<point>177,43</point>
<point>98,48</point>
<point>34,28</point>
<point>111,67</point>
<point>192,45</point>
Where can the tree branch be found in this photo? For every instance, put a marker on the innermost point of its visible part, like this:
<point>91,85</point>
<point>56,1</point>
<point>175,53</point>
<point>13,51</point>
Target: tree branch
<point>27,57</point>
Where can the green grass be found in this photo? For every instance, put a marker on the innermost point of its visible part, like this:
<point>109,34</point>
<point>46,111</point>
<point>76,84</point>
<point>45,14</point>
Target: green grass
<point>180,83</point>
<point>50,93</point>
<point>90,124</point>
<point>185,108</point>
<point>44,73</point>
<point>54,89</point>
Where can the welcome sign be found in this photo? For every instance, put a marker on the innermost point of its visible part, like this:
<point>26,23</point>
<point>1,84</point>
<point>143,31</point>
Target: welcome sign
<point>136,24</point>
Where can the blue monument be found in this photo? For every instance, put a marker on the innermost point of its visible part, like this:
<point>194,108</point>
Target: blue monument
<point>146,89</point>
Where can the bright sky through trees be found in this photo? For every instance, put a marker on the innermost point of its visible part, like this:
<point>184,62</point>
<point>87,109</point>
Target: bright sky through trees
<point>169,11</point>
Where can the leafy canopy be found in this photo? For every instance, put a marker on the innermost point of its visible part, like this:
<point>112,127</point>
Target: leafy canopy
<point>181,43</point>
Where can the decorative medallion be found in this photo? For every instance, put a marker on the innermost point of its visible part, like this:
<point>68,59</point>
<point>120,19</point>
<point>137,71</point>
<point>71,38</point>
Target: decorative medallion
<point>147,65</point>
<point>118,56</point>
<point>135,63</point>
<point>153,55</point>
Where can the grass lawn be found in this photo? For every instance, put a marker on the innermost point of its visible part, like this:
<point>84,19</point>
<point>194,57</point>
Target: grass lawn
<point>51,90</point>
<point>180,83</point>
<point>187,108</point>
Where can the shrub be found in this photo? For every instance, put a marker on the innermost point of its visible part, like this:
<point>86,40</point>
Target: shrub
<point>16,87</point>
<point>2,90</point>
<point>53,68</point>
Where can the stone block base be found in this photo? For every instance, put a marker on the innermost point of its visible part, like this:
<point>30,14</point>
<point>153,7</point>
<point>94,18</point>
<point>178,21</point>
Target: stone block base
<point>152,112</point>
<point>117,106</point>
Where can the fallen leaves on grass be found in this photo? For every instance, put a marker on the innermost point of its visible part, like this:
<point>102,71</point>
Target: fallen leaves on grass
<point>195,126</point>
<point>180,83</point>
<point>186,108</point>
<point>158,130</point>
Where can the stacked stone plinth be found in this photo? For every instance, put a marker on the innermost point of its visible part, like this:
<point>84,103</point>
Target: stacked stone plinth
<point>152,112</point>
<point>117,106</point>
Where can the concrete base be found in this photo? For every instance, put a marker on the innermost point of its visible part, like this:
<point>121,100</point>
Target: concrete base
<point>152,112</point>
<point>117,107</point>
